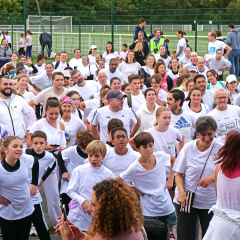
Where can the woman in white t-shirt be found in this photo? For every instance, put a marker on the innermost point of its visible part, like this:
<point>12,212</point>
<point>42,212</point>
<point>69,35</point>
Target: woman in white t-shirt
<point>110,53</point>
<point>161,97</point>
<point>16,190</point>
<point>163,55</point>
<point>85,69</point>
<point>193,103</point>
<point>92,54</point>
<point>129,66</point>
<point>21,45</point>
<point>115,84</point>
<point>174,72</point>
<point>40,63</point>
<point>214,84</point>
<point>195,167</point>
<point>231,88</point>
<point>181,44</point>
<point>72,124</point>
<point>28,41</point>
<point>9,40</point>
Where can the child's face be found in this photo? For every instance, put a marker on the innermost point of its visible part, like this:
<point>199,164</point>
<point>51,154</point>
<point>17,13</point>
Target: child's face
<point>174,54</point>
<point>38,144</point>
<point>146,151</point>
<point>124,48</point>
<point>120,139</point>
<point>95,159</point>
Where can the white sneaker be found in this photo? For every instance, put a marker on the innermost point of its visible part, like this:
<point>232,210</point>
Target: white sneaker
<point>33,231</point>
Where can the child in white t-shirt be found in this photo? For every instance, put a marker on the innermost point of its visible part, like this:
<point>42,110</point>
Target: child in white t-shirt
<point>80,186</point>
<point>124,52</point>
<point>149,177</point>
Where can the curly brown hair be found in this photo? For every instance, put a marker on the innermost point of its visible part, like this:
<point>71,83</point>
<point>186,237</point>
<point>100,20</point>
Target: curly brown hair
<point>119,210</point>
<point>8,68</point>
<point>84,137</point>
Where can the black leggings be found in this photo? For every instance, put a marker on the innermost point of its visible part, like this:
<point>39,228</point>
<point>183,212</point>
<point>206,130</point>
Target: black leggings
<point>28,51</point>
<point>186,222</point>
<point>16,229</point>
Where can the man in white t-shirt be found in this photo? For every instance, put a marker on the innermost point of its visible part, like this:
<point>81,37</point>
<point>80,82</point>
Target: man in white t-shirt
<point>186,58</point>
<point>207,95</point>
<point>112,71</point>
<point>85,88</point>
<point>214,45</point>
<point>114,110</point>
<point>102,79</point>
<point>136,98</point>
<point>76,61</point>
<point>226,116</point>
<point>62,64</point>
<point>202,69</point>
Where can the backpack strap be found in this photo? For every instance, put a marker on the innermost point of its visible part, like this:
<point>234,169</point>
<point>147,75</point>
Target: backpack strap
<point>221,83</point>
<point>57,64</point>
<point>129,100</point>
<point>79,113</point>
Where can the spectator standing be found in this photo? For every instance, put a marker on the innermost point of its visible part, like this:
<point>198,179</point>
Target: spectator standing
<point>143,41</point>
<point>76,61</point>
<point>110,53</point>
<point>46,39</point>
<point>233,40</point>
<point>28,41</point>
<point>8,38</point>
<point>5,53</point>
<point>140,28</point>
<point>181,44</point>
<point>156,42</point>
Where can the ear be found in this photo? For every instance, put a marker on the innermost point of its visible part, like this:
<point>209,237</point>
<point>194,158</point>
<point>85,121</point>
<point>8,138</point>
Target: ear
<point>31,143</point>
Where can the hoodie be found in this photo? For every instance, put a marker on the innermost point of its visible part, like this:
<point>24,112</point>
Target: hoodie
<point>4,52</point>
<point>233,39</point>
<point>145,116</point>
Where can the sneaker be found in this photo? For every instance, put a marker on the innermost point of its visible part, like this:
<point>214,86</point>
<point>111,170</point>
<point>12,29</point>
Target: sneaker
<point>172,237</point>
<point>33,231</point>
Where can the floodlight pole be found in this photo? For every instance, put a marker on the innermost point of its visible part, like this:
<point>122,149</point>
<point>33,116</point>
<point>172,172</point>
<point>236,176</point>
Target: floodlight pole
<point>39,12</point>
<point>112,20</point>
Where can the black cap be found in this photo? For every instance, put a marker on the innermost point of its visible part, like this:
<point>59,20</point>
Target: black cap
<point>115,94</point>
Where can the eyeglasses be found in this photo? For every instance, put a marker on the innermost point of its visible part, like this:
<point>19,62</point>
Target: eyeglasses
<point>219,98</point>
<point>118,137</point>
<point>113,64</point>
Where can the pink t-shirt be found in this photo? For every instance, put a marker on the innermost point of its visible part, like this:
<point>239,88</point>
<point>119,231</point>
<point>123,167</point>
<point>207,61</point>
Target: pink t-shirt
<point>131,236</point>
<point>164,85</point>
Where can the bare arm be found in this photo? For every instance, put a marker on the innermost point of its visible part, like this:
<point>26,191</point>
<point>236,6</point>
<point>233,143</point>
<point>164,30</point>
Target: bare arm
<point>181,144</point>
<point>229,49</point>
<point>95,131</point>
<point>182,199</point>
<point>82,106</point>
<point>31,103</point>
<point>172,172</point>
<point>135,127</point>
<point>216,175</point>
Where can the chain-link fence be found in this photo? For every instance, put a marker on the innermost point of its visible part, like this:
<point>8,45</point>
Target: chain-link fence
<point>72,30</point>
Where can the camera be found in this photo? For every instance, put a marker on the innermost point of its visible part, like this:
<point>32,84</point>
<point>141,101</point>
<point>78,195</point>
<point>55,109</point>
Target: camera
<point>155,50</point>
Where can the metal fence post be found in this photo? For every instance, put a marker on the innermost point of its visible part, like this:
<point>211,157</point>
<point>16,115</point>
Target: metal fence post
<point>112,20</point>
<point>151,20</point>
<point>79,23</point>
<point>196,26</point>
<point>25,17</point>
<point>12,28</point>
<point>51,24</point>
<point>218,19</point>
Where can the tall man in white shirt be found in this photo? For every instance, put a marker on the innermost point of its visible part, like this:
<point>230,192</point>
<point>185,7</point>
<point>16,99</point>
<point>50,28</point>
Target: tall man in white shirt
<point>207,95</point>
<point>76,61</point>
<point>185,58</point>
<point>112,71</point>
<point>214,44</point>
<point>114,110</point>
<point>62,64</point>
<point>226,116</point>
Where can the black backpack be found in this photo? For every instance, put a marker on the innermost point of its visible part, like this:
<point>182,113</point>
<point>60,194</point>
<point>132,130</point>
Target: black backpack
<point>155,229</point>
<point>57,64</point>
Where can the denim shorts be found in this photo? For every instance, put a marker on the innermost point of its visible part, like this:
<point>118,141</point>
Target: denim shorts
<point>169,220</point>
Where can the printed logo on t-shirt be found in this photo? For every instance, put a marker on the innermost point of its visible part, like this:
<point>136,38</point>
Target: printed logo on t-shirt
<point>212,50</point>
<point>107,117</point>
<point>67,137</point>
<point>182,123</point>
<point>170,145</point>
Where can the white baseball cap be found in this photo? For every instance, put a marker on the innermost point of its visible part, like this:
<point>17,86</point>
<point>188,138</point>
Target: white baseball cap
<point>66,73</point>
<point>93,46</point>
<point>230,78</point>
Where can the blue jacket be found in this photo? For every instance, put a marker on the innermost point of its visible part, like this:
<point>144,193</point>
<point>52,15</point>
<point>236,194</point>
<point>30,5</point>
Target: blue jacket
<point>233,39</point>
<point>138,29</point>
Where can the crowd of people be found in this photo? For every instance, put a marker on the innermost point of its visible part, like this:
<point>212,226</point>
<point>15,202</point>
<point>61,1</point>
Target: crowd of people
<point>130,145</point>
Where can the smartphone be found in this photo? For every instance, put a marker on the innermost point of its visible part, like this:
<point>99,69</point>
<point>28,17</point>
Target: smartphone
<point>64,212</point>
<point>55,145</point>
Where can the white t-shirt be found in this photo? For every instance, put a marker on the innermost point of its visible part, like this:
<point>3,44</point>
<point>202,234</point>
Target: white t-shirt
<point>85,71</point>
<point>162,95</point>
<point>40,69</point>
<point>123,55</point>
<point>60,67</point>
<point>215,87</point>
<point>203,112</point>
<point>76,114</point>
<point>42,80</point>
<point>80,188</point>
<point>183,60</point>
<point>208,98</point>
<point>90,88</point>
<point>204,73</point>
<point>14,186</point>
<point>120,163</point>
<point>103,115</point>
<point>191,161</point>
<point>173,75</point>
<point>28,96</point>
<point>71,129</point>
<point>226,120</point>
<point>166,60</point>
<point>92,59</point>
<point>156,201</point>
<point>137,101</point>
<point>214,46</point>
<point>75,62</point>
<point>110,75</point>
<point>29,43</point>
<point>92,103</point>
<point>22,45</point>
<point>148,70</point>
<point>181,43</point>
<point>128,69</point>
<point>8,38</point>
<point>109,56</point>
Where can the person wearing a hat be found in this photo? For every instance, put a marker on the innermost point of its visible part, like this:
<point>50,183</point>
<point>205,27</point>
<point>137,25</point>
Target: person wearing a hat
<point>92,54</point>
<point>231,87</point>
<point>226,116</point>
<point>67,77</point>
<point>115,109</point>
<point>193,71</point>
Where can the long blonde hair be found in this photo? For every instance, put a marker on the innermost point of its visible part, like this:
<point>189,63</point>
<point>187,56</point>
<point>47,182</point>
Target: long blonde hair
<point>159,111</point>
<point>137,47</point>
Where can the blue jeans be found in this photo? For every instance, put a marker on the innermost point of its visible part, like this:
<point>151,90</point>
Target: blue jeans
<point>47,42</point>
<point>233,57</point>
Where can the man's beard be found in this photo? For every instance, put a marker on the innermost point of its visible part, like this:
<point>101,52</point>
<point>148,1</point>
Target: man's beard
<point>5,93</point>
<point>80,81</point>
